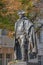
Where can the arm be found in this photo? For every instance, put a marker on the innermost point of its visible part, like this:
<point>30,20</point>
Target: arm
<point>32,38</point>
<point>34,41</point>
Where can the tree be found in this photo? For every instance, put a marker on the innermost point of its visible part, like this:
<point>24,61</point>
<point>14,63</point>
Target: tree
<point>8,11</point>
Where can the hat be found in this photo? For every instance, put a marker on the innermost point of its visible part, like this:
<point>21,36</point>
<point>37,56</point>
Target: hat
<point>21,12</point>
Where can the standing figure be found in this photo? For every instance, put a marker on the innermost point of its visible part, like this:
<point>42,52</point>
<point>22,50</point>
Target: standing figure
<point>24,30</point>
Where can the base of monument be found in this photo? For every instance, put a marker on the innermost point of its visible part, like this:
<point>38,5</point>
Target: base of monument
<point>19,62</point>
<point>33,60</point>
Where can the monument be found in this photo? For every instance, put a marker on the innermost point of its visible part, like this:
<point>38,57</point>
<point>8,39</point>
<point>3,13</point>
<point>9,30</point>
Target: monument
<point>25,39</point>
<point>25,47</point>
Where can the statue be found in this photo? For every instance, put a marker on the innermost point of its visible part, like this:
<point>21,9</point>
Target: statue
<point>24,30</point>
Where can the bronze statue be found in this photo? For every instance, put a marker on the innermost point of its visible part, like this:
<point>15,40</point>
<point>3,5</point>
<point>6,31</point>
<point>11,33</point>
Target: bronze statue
<point>24,30</point>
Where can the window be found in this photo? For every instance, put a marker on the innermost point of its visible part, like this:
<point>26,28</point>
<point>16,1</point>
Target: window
<point>4,32</point>
<point>8,58</point>
<point>0,59</point>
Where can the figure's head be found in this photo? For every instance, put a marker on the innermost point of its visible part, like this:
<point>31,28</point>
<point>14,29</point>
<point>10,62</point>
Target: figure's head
<point>21,13</point>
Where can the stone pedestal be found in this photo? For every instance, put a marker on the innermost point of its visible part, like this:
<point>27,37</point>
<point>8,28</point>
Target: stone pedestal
<point>17,63</point>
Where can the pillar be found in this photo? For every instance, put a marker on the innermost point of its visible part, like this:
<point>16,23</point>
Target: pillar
<point>4,59</point>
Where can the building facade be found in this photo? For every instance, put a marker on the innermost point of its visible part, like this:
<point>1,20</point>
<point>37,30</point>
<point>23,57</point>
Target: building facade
<point>6,48</point>
<point>40,46</point>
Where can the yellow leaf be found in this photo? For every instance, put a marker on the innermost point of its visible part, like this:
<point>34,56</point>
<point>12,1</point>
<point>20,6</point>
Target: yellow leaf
<point>31,4</point>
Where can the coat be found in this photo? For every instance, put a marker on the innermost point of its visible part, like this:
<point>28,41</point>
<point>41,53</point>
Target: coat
<point>27,29</point>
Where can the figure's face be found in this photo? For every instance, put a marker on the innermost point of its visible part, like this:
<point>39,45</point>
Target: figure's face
<point>20,15</point>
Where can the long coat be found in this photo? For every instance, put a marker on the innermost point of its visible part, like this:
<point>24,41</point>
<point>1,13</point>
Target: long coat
<point>28,28</point>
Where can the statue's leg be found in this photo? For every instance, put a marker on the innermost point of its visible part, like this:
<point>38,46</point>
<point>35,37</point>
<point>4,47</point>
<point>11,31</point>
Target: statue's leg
<point>14,55</point>
<point>28,51</point>
<point>22,47</point>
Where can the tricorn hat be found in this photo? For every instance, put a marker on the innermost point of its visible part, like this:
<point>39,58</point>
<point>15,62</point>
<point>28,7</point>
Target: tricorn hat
<point>21,12</point>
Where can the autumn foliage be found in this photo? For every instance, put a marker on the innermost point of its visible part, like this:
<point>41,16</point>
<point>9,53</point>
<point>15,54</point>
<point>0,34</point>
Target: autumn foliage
<point>9,8</point>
